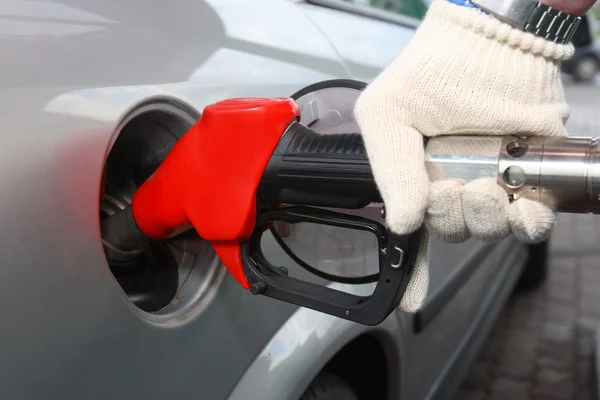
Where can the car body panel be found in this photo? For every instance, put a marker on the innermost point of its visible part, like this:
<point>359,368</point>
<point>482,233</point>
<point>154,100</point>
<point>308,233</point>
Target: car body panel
<point>311,339</point>
<point>75,70</point>
<point>443,335</point>
<point>366,44</point>
<point>483,321</point>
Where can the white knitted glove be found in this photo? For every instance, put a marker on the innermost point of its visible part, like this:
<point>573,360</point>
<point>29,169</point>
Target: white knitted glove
<point>464,72</point>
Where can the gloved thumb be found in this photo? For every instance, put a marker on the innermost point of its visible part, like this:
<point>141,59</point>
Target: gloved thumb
<point>418,286</point>
<point>397,157</point>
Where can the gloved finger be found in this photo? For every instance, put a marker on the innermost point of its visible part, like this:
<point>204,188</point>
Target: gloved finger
<point>530,221</point>
<point>416,291</point>
<point>485,209</point>
<point>397,157</point>
<point>444,216</point>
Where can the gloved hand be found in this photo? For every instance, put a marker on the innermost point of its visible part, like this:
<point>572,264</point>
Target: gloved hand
<point>463,72</point>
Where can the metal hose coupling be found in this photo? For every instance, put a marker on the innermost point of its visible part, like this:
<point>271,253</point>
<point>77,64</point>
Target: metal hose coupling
<point>560,172</point>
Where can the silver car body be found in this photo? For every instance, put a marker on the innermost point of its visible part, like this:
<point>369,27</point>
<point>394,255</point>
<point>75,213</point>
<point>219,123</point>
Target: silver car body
<point>74,72</point>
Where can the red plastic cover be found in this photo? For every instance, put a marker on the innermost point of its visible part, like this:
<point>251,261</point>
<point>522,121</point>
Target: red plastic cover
<point>211,176</point>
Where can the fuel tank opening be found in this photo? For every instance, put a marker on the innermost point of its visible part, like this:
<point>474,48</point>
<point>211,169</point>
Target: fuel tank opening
<point>150,281</point>
<point>170,280</point>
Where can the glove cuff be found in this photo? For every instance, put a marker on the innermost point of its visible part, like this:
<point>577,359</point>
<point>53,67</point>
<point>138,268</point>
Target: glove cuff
<point>445,15</point>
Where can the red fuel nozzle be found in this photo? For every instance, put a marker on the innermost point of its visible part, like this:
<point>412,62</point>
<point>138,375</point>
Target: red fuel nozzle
<point>209,180</point>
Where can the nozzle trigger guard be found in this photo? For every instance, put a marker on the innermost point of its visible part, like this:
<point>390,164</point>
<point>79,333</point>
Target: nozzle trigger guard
<point>397,257</point>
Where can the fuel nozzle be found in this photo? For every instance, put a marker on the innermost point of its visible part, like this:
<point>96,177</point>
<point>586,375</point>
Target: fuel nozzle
<point>208,182</point>
<point>247,163</point>
<point>563,173</point>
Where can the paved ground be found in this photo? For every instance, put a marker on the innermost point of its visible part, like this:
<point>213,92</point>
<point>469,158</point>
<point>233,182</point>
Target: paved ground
<point>541,348</point>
